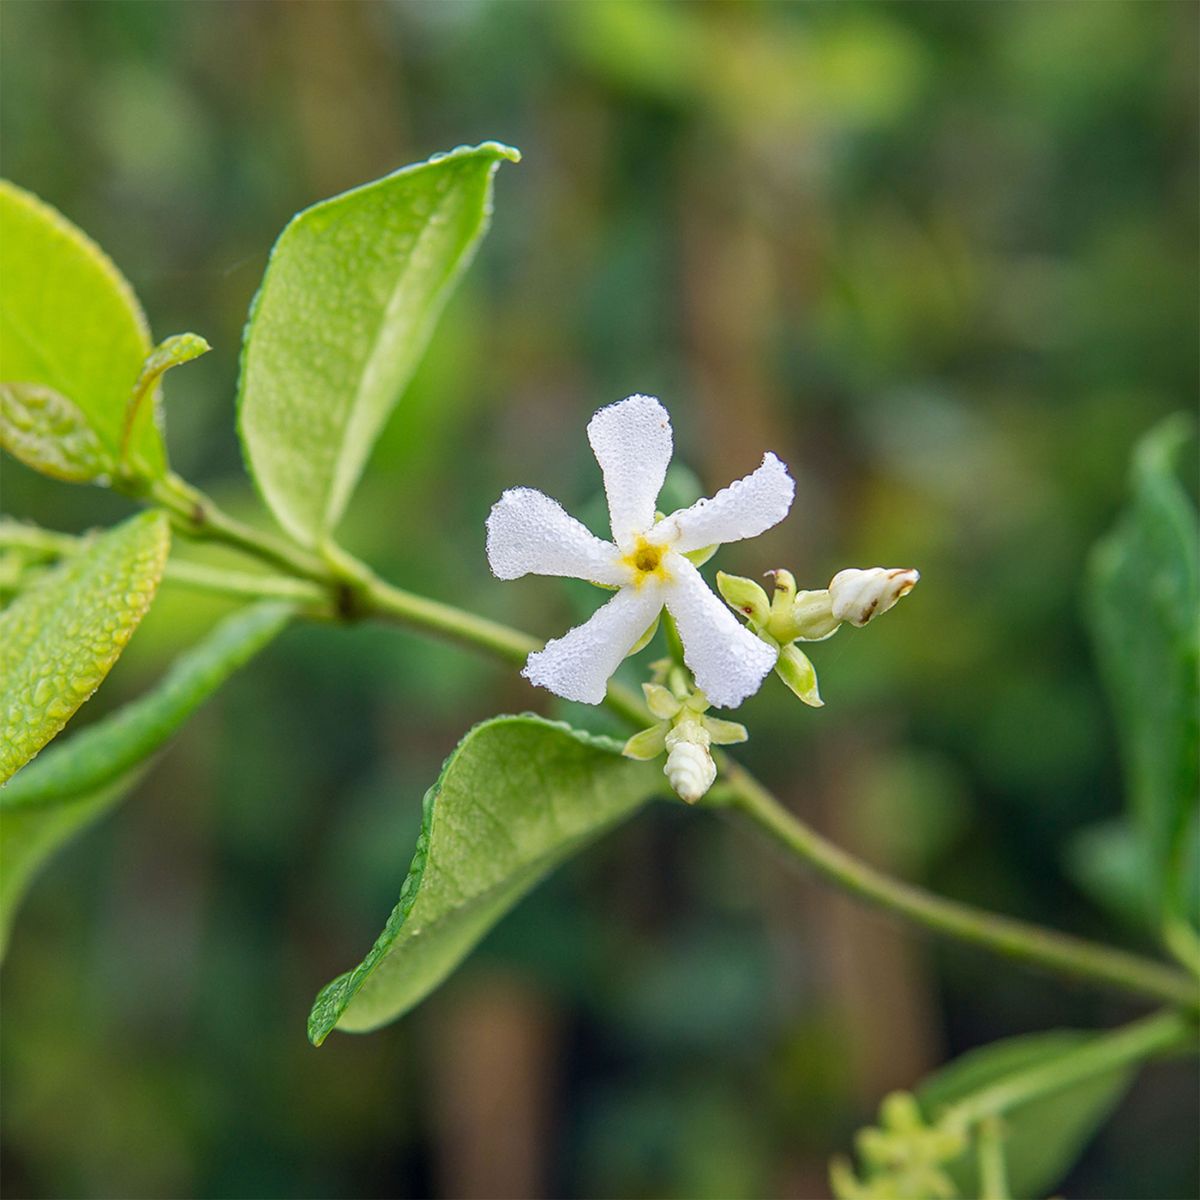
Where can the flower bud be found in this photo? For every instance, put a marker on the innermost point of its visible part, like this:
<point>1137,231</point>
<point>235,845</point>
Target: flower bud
<point>690,769</point>
<point>746,597</point>
<point>858,596</point>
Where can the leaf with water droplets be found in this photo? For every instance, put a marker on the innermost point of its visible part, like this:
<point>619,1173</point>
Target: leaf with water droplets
<point>352,291</point>
<point>69,321</point>
<point>80,778</point>
<point>516,798</point>
<point>49,433</point>
<point>60,638</point>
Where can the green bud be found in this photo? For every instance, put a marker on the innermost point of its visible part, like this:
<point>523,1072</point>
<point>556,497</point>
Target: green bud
<point>660,701</point>
<point>724,733</point>
<point>746,597</point>
<point>795,669</point>
<point>648,744</point>
<point>899,1112</point>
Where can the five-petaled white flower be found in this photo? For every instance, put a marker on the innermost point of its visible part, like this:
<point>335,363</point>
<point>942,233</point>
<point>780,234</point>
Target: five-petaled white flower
<point>527,532</point>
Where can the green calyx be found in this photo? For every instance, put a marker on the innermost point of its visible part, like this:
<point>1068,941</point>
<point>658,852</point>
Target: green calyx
<point>788,616</point>
<point>681,710</point>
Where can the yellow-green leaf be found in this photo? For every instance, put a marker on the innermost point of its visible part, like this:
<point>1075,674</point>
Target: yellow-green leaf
<point>60,638</point>
<point>69,320</point>
<point>49,433</point>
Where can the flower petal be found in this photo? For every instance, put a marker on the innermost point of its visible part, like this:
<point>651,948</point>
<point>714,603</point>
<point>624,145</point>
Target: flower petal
<point>728,661</point>
<point>577,666</point>
<point>632,443</point>
<point>742,510</point>
<point>528,533</point>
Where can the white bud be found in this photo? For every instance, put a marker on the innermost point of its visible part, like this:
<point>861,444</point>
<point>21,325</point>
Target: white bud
<point>690,769</point>
<point>858,596</point>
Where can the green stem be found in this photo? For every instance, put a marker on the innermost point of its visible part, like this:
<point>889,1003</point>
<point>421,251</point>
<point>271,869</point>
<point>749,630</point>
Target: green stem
<point>358,591</point>
<point>993,1171</point>
<point>1107,1052</point>
<point>198,517</point>
<point>1005,936</point>
<point>246,585</point>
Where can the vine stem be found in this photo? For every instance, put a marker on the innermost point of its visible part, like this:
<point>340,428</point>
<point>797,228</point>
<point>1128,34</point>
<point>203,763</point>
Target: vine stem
<point>356,591</point>
<point>1006,936</point>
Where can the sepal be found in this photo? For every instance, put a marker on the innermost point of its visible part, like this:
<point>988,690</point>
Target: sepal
<point>797,671</point>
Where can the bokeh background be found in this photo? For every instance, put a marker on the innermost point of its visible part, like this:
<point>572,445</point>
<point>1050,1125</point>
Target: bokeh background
<point>941,257</point>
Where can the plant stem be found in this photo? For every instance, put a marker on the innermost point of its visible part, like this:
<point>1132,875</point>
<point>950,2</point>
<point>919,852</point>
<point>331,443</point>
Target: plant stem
<point>356,591</point>
<point>1002,935</point>
<point>1106,1052</point>
<point>198,517</point>
<point>246,584</point>
<point>993,1171</point>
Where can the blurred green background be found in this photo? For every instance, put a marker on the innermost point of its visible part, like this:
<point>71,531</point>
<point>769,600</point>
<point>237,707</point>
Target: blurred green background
<point>941,257</point>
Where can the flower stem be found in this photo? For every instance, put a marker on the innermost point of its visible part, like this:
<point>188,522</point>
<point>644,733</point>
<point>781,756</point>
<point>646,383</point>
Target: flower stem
<point>248,585</point>
<point>1010,938</point>
<point>356,591</point>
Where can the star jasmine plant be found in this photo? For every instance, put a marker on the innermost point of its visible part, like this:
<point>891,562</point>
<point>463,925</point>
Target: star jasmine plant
<point>352,291</point>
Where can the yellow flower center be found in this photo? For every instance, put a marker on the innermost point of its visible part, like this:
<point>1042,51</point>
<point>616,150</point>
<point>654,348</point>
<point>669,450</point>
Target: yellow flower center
<point>646,560</point>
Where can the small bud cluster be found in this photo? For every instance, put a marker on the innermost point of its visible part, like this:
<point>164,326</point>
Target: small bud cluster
<point>903,1158</point>
<point>684,731</point>
<point>790,616</point>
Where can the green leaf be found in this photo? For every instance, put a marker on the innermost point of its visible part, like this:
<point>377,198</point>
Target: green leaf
<point>69,321</point>
<point>97,755</point>
<point>28,837</point>
<point>174,351</point>
<point>1143,604</point>
<point>517,797</point>
<point>352,290</point>
<point>60,638</point>
<point>49,433</point>
<point>75,782</point>
<point>1044,1136</point>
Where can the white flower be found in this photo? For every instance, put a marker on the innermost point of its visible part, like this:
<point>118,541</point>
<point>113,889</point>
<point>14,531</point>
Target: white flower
<point>530,533</point>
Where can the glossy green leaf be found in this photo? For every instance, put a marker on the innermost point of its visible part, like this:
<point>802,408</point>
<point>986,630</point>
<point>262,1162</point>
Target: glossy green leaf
<point>1144,599</point>
<point>61,637</point>
<point>1043,1137</point>
<point>49,433</point>
<point>351,293</point>
<point>70,321</point>
<point>76,781</point>
<point>100,753</point>
<point>517,797</point>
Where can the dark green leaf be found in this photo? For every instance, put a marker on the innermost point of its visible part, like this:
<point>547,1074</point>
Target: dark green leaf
<point>1144,600</point>
<point>75,782</point>
<point>350,297</point>
<point>517,797</point>
<point>1043,1137</point>
<point>95,756</point>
